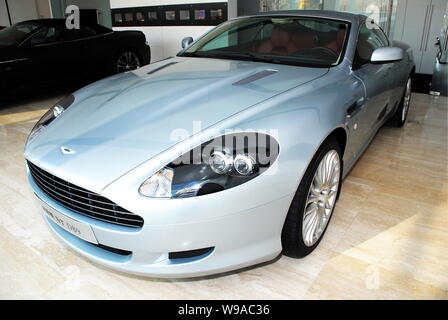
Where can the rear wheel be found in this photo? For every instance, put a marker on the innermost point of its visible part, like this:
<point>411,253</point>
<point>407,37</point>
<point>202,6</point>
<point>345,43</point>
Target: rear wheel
<point>399,118</point>
<point>314,202</point>
<point>126,61</point>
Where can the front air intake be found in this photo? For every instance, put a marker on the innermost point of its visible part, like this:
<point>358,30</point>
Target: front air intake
<point>83,201</point>
<point>190,254</point>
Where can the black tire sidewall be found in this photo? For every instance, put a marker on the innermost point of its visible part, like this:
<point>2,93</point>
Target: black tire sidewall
<point>292,237</point>
<point>397,120</point>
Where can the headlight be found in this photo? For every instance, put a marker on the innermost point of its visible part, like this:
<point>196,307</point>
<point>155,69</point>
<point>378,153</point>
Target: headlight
<point>50,115</point>
<point>220,164</point>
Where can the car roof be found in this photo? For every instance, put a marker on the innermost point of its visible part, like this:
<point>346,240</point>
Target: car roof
<point>61,22</point>
<point>45,22</point>
<point>337,15</point>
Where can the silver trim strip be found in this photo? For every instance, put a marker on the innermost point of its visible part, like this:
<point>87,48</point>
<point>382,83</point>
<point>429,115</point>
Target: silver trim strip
<point>429,27</point>
<point>15,60</point>
<point>424,28</point>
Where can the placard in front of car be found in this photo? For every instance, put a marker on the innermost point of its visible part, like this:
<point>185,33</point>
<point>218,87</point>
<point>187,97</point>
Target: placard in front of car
<point>79,229</point>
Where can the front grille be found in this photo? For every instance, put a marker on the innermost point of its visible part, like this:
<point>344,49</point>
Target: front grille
<point>83,201</point>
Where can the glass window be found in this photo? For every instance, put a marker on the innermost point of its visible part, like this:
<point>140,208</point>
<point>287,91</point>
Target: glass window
<point>128,17</point>
<point>152,15</point>
<point>140,17</point>
<point>369,39</point>
<point>383,12</point>
<point>184,14</point>
<point>276,39</point>
<point>199,14</point>
<point>48,35</point>
<point>170,15</point>
<point>18,32</point>
<point>118,17</point>
<point>380,34</point>
<point>270,5</point>
<point>87,32</point>
<point>216,14</point>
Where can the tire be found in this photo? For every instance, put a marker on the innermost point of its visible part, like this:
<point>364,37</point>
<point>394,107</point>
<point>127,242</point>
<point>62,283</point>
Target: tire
<point>293,234</point>
<point>126,60</point>
<point>401,114</point>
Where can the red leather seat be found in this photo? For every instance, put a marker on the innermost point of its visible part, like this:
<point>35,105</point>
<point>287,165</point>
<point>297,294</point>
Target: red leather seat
<point>280,43</point>
<point>336,45</point>
<point>303,41</point>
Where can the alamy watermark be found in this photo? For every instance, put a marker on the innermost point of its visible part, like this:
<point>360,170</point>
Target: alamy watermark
<point>260,144</point>
<point>72,20</point>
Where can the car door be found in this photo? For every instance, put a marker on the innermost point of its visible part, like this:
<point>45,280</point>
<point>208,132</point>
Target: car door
<point>55,52</point>
<point>95,50</point>
<point>377,80</point>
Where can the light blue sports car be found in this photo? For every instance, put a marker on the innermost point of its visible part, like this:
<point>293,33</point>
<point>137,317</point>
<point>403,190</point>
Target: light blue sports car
<point>223,156</point>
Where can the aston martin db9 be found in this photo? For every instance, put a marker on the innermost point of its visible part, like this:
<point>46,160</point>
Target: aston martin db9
<point>224,156</point>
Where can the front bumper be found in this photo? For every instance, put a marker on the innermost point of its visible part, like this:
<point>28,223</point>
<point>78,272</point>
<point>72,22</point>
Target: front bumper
<point>239,239</point>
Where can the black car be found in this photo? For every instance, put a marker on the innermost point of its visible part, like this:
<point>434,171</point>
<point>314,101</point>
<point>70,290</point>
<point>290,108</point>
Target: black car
<point>40,50</point>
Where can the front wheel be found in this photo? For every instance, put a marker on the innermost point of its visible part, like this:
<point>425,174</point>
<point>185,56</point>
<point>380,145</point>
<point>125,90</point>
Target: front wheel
<point>126,61</point>
<point>314,202</point>
<point>399,118</point>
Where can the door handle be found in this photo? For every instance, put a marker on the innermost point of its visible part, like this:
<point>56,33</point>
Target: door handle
<point>355,108</point>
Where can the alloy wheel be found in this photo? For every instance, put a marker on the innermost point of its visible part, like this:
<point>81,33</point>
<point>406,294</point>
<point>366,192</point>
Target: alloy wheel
<point>407,100</point>
<point>127,61</point>
<point>321,198</point>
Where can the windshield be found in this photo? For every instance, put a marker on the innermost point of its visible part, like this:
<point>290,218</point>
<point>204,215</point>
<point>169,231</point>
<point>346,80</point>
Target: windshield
<point>313,42</point>
<point>17,33</point>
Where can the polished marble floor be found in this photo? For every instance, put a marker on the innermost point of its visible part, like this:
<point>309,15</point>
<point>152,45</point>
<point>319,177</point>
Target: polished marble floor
<point>388,238</point>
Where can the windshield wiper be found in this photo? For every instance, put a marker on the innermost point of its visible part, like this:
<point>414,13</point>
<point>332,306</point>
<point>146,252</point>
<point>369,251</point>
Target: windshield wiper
<point>256,57</point>
<point>232,55</point>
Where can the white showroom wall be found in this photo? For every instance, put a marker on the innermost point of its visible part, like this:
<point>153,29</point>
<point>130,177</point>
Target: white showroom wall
<point>43,9</point>
<point>102,6</point>
<point>164,41</point>
<point>19,10</point>
<point>4,20</point>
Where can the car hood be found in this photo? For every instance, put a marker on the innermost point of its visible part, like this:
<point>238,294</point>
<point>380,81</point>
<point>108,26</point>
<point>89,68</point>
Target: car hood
<point>120,122</point>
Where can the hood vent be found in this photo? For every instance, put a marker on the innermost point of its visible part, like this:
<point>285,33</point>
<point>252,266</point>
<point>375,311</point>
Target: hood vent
<point>161,67</point>
<point>255,77</point>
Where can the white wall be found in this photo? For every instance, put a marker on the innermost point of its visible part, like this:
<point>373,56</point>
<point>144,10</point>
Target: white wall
<point>4,21</point>
<point>43,9</point>
<point>103,7</point>
<point>22,10</point>
<point>164,41</point>
<point>410,20</point>
<point>144,3</point>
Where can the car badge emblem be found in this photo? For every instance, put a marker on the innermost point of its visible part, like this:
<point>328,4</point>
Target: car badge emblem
<point>66,150</point>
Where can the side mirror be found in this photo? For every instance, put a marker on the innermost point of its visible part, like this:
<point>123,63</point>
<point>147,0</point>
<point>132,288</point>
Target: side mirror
<point>186,42</point>
<point>387,55</point>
